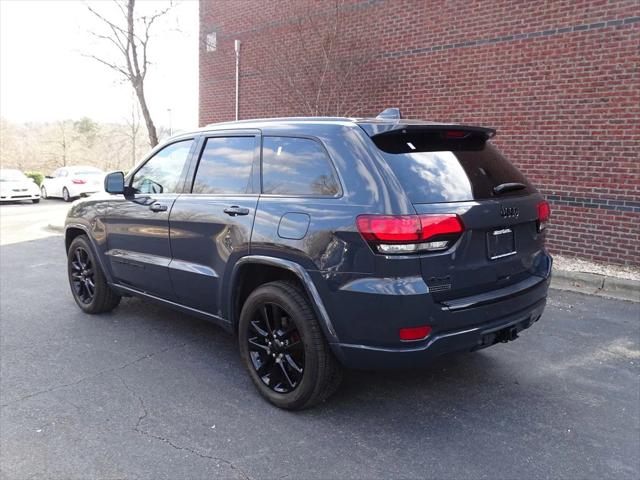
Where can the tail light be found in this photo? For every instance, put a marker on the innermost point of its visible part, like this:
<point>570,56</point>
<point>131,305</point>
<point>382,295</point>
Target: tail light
<point>78,181</point>
<point>402,234</point>
<point>544,212</point>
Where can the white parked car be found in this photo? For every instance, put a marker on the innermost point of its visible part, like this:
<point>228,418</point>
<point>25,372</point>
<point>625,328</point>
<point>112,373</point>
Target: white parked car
<point>71,182</point>
<point>15,186</point>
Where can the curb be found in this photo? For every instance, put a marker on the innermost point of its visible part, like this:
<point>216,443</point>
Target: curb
<point>55,228</point>
<point>594,284</point>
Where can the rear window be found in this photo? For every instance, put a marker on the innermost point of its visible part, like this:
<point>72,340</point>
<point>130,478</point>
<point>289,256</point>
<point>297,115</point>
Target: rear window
<point>466,172</point>
<point>87,172</point>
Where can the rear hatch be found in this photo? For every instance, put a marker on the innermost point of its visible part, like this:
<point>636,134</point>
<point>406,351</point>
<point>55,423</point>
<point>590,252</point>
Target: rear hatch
<point>450,169</point>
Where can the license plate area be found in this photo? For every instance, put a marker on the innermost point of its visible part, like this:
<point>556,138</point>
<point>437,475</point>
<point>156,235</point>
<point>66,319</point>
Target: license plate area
<point>501,243</point>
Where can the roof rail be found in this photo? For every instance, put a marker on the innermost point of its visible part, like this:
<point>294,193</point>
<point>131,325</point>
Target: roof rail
<point>389,114</point>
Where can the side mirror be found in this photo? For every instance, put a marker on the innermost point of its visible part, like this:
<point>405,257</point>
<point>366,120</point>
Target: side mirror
<point>114,182</point>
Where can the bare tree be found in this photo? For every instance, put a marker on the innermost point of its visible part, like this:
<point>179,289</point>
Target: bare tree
<point>133,126</point>
<point>64,141</point>
<point>129,35</point>
<point>319,65</point>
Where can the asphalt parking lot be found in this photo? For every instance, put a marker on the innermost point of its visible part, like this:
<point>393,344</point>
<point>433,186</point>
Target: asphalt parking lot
<point>147,393</point>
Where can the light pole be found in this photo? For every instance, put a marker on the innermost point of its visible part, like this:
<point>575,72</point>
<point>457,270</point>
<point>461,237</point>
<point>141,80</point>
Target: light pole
<point>236,45</point>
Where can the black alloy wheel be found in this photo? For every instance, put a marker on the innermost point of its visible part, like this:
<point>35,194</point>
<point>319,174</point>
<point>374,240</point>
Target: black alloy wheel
<point>82,275</point>
<point>284,349</point>
<point>276,348</point>
<point>88,284</point>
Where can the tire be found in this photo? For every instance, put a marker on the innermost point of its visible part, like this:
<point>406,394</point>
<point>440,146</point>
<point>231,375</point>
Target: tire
<point>43,192</point>
<point>35,200</point>
<point>83,270</point>
<point>293,321</point>
<point>65,195</point>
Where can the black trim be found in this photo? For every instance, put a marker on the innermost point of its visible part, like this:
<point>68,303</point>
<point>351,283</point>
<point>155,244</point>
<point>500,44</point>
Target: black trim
<point>492,296</point>
<point>223,322</point>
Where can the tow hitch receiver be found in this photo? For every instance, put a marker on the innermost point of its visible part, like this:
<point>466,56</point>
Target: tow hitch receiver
<point>507,335</point>
<point>504,335</point>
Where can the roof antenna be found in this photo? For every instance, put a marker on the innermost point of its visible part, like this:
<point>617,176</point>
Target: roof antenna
<point>389,114</point>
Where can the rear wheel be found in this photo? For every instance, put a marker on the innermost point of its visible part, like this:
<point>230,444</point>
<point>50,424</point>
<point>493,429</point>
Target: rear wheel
<point>43,192</point>
<point>284,349</point>
<point>88,284</point>
<point>65,195</point>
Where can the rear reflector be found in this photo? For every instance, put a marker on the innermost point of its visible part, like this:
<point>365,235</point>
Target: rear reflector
<point>544,212</point>
<point>398,234</point>
<point>414,333</point>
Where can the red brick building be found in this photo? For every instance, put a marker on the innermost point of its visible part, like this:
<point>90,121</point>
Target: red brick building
<point>560,81</point>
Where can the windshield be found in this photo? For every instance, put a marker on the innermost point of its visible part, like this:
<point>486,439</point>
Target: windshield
<point>12,176</point>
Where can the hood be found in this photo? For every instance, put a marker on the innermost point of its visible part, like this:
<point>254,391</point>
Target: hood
<point>20,184</point>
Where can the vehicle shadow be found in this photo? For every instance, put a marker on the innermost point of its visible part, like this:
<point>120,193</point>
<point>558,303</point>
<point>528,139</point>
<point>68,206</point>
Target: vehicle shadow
<point>436,387</point>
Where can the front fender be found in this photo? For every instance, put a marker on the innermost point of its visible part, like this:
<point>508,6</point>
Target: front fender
<point>97,250</point>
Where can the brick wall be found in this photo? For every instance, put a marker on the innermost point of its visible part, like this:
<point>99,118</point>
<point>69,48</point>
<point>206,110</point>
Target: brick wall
<point>559,80</point>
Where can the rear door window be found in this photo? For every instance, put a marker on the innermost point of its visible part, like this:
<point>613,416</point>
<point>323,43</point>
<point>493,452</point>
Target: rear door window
<point>226,166</point>
<point>297,166</point>
<point>456,175</point>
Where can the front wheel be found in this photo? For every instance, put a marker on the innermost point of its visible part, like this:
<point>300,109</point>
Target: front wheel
<point>88,284</point>
<point>284,349</point>
<point>65,195</point>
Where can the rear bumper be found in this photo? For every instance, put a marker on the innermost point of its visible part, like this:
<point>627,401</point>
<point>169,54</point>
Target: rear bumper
<point>367,320</point>
<point>466,339</point>
<point>83,190</point>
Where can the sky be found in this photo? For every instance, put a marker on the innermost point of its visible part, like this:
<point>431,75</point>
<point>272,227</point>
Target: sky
<point>45,75</point>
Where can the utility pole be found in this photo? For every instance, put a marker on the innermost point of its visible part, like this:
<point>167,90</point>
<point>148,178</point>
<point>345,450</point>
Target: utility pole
<point>237,50</point>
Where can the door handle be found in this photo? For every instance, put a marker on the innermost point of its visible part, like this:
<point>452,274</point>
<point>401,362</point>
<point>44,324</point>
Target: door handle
<point>158,207</point>
<point>235,210</point>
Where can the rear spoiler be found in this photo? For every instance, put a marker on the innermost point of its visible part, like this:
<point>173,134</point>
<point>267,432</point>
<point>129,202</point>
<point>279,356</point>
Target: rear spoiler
<point>376,127</point>
<point>391,120</point>
<point>414,138</point>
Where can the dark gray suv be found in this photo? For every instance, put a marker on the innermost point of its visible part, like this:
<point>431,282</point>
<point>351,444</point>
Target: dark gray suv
<point>322,243</point>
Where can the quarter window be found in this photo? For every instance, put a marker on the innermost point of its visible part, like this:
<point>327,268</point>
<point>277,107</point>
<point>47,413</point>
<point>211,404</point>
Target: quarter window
<point>225,166</point>
<point>296,166</point>
<point>162,172</point>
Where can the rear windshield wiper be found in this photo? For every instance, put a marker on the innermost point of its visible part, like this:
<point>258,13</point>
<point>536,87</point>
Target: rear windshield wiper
<point>508,187</point>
